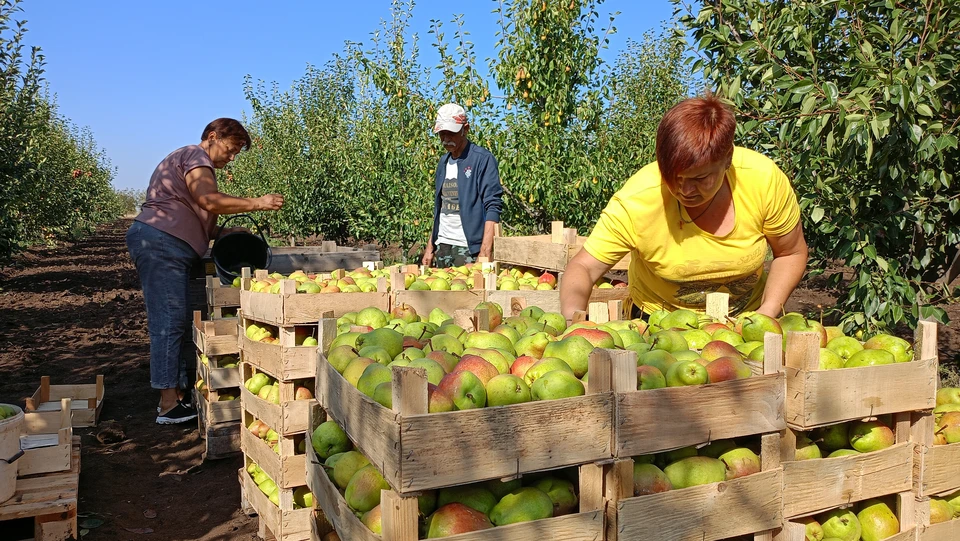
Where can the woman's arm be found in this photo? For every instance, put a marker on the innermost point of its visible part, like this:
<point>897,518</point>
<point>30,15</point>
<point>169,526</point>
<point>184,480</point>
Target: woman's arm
<point>789,264</point>
<point>203,188</point>
<point>578,278</point>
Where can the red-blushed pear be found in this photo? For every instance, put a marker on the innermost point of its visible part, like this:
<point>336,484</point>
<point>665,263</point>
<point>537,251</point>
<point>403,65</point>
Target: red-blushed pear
<point>405,312</point>
<point>499,358</point>
<point>717,348</point>
<point>438,400</point>
<point>522,505</point>
<point>649,377</point>
<point>900,349</point>
<point>940,511</point>
<point>867,436</point>
<point>807,449</point>
<point>683,373</point>
<point>549,279</point>
<point>494,310</point>
<point>446,359</point>
<point>695,470</point>
<point>599,338</point>
<point>479,366</point>
<point>533,345</point>
<point>877,521</point>
<point>302,393</point>
<point>649,479</point>
<point>520,366</point>
<point>476,496</point>
<point>254,427</point>
<point>574,350</point>
<point>363,490</point>
<point>740,462</point>
<point>869,357</point>
<point>556,384</point>
<point>658,358</point>
<point>714,326</point>
<point>669,341</point>
<point>507,389</point>
<point>465,388</point>
<point>487,339</point>
<point>562,493</point>
<point>346,466</point>
<point>726,369</point>
<point>410,342</point>
<point>948,427</point>
<point>948,395</point>
<point>754,326</point>
<point>371,519</point>
<point>455,518</point>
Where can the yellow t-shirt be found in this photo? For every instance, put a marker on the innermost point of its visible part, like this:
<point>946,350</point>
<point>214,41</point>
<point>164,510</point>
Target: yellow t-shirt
<point>675,266</point>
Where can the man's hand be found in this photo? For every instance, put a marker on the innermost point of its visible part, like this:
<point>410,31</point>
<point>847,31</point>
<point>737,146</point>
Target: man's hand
<point>427,258</point>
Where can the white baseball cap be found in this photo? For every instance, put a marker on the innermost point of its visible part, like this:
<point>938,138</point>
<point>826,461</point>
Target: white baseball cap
<point>451,117</point>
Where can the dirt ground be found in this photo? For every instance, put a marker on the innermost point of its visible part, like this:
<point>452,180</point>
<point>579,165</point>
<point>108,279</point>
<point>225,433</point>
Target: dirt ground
<point>76,311</point>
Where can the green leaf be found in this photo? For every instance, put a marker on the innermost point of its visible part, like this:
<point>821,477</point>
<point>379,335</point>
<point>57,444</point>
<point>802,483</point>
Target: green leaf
<point>924,109</point>
<point>802,87</point>
<point>870,251</point>
<point>816,215</point>
<point>831,91</point>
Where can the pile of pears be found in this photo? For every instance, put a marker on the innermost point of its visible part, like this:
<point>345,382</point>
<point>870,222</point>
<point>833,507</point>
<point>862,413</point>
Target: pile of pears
<point>223,361</point>
<point>361,280</point>
<point>721,460</point>
<point>446,511</point>
<point>6,410</point>
<point>845,439</point>
<point>302,497</point>
<point>872,520</point>
<point>947,416</point>
<point>267,388</point>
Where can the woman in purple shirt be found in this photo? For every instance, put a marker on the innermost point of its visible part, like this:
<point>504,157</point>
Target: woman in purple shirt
<point>169,236</point>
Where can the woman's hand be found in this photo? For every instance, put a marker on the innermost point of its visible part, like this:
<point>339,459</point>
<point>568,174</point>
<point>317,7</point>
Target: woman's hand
<point>270,201</point>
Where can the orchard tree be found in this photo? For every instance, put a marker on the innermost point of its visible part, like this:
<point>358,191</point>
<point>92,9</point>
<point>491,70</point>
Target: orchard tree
<point>858,102</point>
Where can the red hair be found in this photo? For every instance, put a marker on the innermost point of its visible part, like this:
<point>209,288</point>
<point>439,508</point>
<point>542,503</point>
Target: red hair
<point>694,132</point>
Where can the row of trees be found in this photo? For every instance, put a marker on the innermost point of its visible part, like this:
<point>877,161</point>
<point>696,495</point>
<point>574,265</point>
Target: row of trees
<point>856,103</point>
<point>54,179</point>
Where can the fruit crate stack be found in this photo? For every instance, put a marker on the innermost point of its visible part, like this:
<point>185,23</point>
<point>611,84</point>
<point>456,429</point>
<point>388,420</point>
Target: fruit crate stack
<point>217,390</point>
<point>223,301</point>
<point>548,252</point>
<point>278,336</point>
<point>423,438</point>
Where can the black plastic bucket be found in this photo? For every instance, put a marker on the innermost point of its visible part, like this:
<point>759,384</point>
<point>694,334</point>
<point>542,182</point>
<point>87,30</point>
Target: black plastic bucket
<point>234,251</point>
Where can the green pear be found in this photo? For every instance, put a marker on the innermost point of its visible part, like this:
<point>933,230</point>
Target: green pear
<point>355,369</point>
<point>829,360</point>
<point>347,465</point>
<point>669,341</point>
<point>940,511</point>
<point>363,491</point>
<point>544,365</point>
<point>437,316</point>
<point>377,353</point>
<point>522,505</point>
<point>832,437</point>
<point>435,371</point>
<point>843,452</point>
<point>556,384</point>
<point>329,439</point>
<point>695,470</point>
<point>812,528</point>
<point>877,521</point>
<point>574,350</point>
<point>844,346</point>
<point>372,317</point>
<point>373,375</point>
<point>562,493</point>
<point>507,389</point>
<point>869,357</point>
<point>898,347</point>
<point>475,496</point>
<point>840,523</point>
<point>806,448</point>
<point>388,339</point>
<point>680,319</point>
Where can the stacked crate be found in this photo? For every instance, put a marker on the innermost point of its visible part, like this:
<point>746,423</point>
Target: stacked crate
<point>548,252</point>
<point>416,451</point>
<point>217,392</point>
<point>819,398</point>
<point>223,301</point>
<point>292,316</point>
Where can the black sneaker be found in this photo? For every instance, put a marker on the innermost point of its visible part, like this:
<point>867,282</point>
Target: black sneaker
<point>179,414</point>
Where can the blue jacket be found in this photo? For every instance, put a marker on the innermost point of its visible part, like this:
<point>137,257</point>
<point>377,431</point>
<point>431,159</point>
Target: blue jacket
<point>480,192</point>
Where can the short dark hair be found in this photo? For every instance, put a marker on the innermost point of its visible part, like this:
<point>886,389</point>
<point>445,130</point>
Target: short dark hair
<point>694,132</point>
<point>227,128</point>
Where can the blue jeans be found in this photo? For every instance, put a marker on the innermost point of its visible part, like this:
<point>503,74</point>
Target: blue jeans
<point>163,263</point>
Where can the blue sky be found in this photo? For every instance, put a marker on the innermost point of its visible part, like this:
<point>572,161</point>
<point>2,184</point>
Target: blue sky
<point>146,76</point>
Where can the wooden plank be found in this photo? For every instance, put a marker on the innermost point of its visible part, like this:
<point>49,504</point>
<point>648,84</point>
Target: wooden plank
<point>282,362</point>
<point>223,343</point>
<point>515,439</point>
<point>578,527</point>
<point>287,418</point>
<point>374,428</point>
<point>812,486</point>
<point>821,397</point>
<point>219,379</point>
<point>698,414</point>
<point>448,301</point>
<point>548,301</point>
<point>944,531</point>
<point>938,470</point>
<point>56,527</point>
<point>398,517</point>
<point>286,471</point>
<point>705,513</point>
<point>289,524</point>
<point>530,253</point>
<point>217,412</point>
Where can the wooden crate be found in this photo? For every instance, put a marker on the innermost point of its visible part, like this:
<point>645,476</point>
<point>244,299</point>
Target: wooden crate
<point>399,513</point>
<point>692,415</point>
<point>937,469</point>
<point>219,379</point>
<point>221,298</point>
<point>50,499</point>
<point>491,443</point>
<point>284,360</point>
<point>549,252</point>
<point>287,418</point>
<point>221,440</point>
<point>46,448</point>
<point>945,531</point>
<point>284,522</point>
<point>86,401</point>
<point>513,302</point>
<point>822,397</point>
<point>216,411</point>
<point>909,511</point>
<point>816,485</point>
<point>287,468</point>
<point>289,308</point>
<point>217,337</point>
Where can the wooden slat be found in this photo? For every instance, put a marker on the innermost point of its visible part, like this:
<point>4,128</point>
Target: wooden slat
<point>821,397</point>
<point>944,531</point>
<point>531,253</point>
<point>291,524</point>
<point>578,527</point>
<point>219,379</point>
<point>217,412</point>
<point>548,301</point>
<point>219,344</point>
<point>304,309</point>
<point>704,513</point>
<point>286,471</point>
<point>811,486</point>
<point>287,419</point>
<point>372,427</point>
<point>282,362</point>
<point>696,414</point>
<point>939,470</point>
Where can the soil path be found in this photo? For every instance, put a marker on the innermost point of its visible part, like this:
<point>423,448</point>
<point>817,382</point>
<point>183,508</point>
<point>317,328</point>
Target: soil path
<point>77,311</point>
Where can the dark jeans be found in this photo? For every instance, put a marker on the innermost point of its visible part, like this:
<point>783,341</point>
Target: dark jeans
<point>163,263</point>
<point>448,255</point>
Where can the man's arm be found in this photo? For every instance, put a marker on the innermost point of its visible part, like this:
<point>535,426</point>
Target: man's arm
<point>578,278</point>
<point>486,247</point>
<point>789,264</point>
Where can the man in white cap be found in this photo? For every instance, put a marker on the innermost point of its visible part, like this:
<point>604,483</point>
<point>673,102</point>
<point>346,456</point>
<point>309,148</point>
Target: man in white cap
<point>468,198</point>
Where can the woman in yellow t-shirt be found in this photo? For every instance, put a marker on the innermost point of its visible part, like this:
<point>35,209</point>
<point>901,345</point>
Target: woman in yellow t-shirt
<point>696,221</point>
